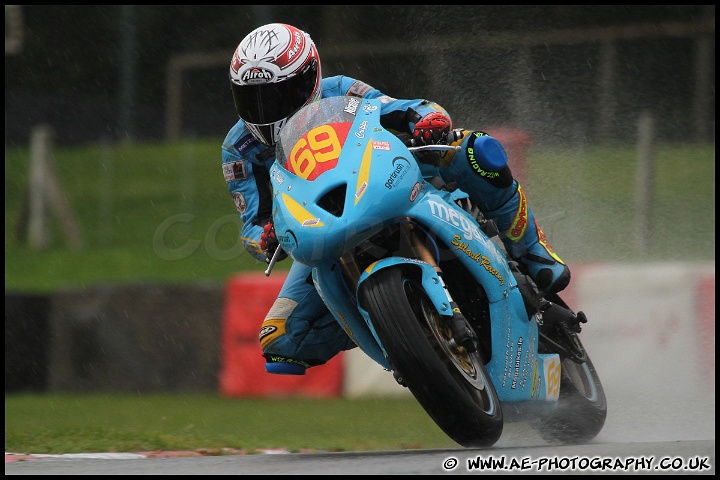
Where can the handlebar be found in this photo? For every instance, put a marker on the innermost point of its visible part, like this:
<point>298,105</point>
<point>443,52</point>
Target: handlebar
<point>451,137</point>
<point>422,148</point>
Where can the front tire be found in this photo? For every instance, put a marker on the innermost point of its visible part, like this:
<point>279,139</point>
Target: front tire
<point>448,382</point>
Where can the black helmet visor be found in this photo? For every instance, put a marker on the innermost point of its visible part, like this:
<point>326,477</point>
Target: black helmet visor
<point>271,102</point>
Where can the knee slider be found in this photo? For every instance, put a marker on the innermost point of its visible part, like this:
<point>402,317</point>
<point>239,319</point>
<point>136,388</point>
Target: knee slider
<point>488,152</point>
<point>486,158</point>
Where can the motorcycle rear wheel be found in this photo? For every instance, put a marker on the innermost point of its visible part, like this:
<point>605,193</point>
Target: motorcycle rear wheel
<point>581,410</point>
<point>582,406</point>
<point>451,384</point>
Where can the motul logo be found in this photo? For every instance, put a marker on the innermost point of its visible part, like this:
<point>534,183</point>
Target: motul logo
<point>257,75</point>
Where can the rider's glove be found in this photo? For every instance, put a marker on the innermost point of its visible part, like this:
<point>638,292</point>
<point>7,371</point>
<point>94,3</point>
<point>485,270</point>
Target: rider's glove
<point>432,129</point>
<point>269,243</point>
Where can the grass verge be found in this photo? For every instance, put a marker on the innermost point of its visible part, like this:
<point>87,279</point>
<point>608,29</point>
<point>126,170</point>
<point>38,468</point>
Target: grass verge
<point>75,423</point>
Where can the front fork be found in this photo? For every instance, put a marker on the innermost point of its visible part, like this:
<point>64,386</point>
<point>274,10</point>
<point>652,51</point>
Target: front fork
<point>462,333</point>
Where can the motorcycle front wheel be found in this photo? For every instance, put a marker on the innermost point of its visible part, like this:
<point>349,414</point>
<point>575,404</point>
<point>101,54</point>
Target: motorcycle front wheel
<point>450,383</point>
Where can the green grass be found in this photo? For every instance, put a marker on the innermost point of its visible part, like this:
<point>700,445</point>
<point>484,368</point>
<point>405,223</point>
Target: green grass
<point>156,212</point>
<point>146,213</point>
<point>586,203</point>
<point>56,424</point>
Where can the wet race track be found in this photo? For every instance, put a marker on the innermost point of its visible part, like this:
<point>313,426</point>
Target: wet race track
<point>684,457</point>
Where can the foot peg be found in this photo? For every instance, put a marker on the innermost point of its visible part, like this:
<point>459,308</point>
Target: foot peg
<point>553,314</point>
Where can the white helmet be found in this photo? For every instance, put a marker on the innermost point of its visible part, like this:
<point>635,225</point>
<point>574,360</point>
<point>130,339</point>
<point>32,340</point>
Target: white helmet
<point>274,72</point>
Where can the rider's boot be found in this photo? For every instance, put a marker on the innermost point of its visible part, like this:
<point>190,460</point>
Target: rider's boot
<point>525,242</point>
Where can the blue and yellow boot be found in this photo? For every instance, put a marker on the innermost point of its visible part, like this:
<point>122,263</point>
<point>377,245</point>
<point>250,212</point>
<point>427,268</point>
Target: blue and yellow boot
<point>525,242</point>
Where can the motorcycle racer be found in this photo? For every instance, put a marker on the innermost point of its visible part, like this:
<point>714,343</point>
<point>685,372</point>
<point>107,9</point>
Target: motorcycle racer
<point>275,71</point>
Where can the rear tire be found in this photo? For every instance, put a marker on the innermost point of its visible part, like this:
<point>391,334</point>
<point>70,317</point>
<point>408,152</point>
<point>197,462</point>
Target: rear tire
<point>582,406</point>
<point>581,410</point>
<point>448,382</point>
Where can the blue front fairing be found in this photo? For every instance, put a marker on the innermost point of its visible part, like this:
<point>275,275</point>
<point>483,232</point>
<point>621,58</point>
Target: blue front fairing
<point>340,181</point>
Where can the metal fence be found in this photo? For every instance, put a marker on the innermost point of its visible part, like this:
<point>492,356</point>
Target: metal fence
<point>572,80</point>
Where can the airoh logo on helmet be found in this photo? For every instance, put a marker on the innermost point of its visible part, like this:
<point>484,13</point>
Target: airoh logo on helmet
<point>257,75</point>
<point>297,47</point>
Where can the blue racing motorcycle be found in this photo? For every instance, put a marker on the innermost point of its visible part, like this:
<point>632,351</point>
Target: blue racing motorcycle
<point>421,283</point>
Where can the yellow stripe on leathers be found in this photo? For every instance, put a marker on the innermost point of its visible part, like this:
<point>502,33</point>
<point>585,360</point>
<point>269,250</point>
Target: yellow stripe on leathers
<point>519,225</point>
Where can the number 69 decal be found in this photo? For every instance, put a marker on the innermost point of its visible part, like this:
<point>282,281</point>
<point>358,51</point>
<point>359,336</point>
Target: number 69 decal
<point>317,151</point>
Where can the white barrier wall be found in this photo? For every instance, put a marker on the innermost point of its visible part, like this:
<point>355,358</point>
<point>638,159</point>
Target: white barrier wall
<point>651,336</point>
<point>364,377</point>
<point>645,325</point>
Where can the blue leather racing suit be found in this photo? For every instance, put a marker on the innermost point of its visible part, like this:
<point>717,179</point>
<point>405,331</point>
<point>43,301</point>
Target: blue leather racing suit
<point>299,331</point>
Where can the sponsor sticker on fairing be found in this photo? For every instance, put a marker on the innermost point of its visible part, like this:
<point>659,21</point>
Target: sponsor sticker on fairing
<point>401,166</point>
<point>415,191</point>
<point>352,106</point>
<point>278,178</point>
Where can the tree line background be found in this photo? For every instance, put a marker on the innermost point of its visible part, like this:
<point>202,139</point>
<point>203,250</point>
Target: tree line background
<point>98,73</point>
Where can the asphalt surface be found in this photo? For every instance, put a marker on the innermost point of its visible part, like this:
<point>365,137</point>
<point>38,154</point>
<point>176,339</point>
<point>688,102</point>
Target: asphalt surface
<point>683,457</point>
